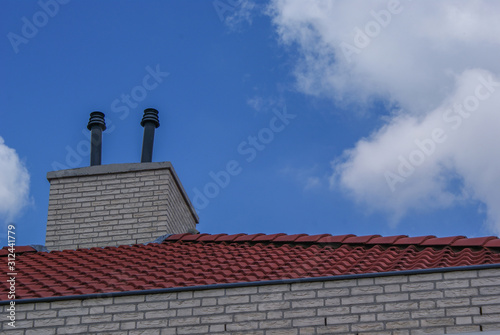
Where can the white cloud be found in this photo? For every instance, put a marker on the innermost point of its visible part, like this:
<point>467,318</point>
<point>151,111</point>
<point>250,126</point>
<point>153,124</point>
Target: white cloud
<point>14,183</point>
<point>423,57</point>
<point>265,104</point>
<point>304,176</point>
<point>412,60</point>
<point>235,13</point>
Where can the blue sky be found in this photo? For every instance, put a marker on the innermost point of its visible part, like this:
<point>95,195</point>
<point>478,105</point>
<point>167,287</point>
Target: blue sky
<point>340,117</point>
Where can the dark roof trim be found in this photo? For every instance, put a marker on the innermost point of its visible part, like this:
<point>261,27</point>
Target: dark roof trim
<point>257,283</point>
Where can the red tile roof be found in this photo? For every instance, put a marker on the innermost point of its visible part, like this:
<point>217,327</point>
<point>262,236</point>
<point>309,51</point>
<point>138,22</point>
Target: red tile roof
<point>193,260</point>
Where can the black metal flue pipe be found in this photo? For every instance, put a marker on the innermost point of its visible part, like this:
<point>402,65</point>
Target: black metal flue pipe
<point>96,126</point>
<point>150,122</point>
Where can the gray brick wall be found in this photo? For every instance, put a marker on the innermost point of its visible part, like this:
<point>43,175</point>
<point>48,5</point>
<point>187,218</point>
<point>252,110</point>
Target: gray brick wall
<point>436,303</point>
<point>117,204</point>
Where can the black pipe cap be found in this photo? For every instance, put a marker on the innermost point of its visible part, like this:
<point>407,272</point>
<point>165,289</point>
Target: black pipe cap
<point>97,118</point>
<point>150,115</point>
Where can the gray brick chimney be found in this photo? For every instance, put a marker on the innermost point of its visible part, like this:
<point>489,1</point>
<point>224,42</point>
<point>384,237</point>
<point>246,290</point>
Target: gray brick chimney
<point>118,204</point>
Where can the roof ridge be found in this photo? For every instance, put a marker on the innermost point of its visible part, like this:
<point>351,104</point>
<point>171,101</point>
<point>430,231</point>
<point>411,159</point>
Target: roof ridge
<point>398,240</point>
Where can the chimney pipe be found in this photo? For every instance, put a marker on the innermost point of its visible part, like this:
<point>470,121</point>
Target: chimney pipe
<point>150,122</point>
<point>96,125</point>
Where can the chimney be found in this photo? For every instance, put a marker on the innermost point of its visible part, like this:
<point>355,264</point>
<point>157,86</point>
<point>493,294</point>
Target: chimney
<point>116,204</point>
<point>150,122</point>
<point>96,125</point>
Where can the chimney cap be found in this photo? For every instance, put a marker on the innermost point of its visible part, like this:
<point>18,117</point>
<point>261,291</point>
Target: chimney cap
<point>150,115</point>
<point>96,118</point>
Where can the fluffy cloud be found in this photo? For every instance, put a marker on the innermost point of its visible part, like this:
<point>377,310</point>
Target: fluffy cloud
<point>434,63</point>
<point>14,183</point>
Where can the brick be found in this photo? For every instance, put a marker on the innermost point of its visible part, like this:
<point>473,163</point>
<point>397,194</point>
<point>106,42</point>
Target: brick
<point>236,326</point>
<point>46,322</point>
<point>299,295</point>
<point>65,304</point>
<point>367,308</point>
<point>242,308</point>
<point>340,283</point>
<point>366,290</point>
<point>308,303</point>
<point>305,322</point>
<point>332,329</point>
<point>328,311</point>
<point>428,331</point>
<point>402,324</point>
<point>192,330</point>
<point>456,283</point>
<point>237,299</point>
<point>42,331</point>
<point>281,332</point>
<point>241,317</point>
<point>275,324</point>
<point>333,292</point>
<point>163,323</point>
<point>342,319</point>
<point>367,318</point>
<point>489,273</point>
<point>371,326</point>
<point>362,299</point>
<point>391,288</point>
<point>266,297</point>
<point>428,313</point>
<point>161,314</point>
<point>96,318</point>
<point>456,293</point>
<point>418,286</point>
<point>392,297</point>
<point>397,306</point>
<point>221,318</point>
<point>486,300</point>
<point>489,318</point>
<point>103,327</point>
<point>460,274</point>
<point>426,295</point>
<point>393,316</point>
<point>463,320</point>
<point>306,286</point>
<point>486,309</point>
<point>274,288</point>
<point>457,302</point>
<point>185,303</point>
<point>433,322</point>
<point>208,310</point>
<point>462,329</point>
<point>426,277</point>
<point>128,316</point>
<point>266,306</point>
<point>208,293</point>
<point>73,330</point>
<point>40,314</point>
<point>490,290</point>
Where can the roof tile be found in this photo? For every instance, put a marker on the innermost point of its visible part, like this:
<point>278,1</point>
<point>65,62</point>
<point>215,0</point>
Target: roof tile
<point>288,238</point>
<point>442,240</point>
<point>203,259</point>
<point>472,242</point>
<point>360,239</point>
<point>386,239</point>
<point>417,240</point>
<point>311,238</point>
<point>335,239</point>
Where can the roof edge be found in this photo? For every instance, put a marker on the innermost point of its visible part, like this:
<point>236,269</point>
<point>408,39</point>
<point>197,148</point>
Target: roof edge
<point>257,283</point>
